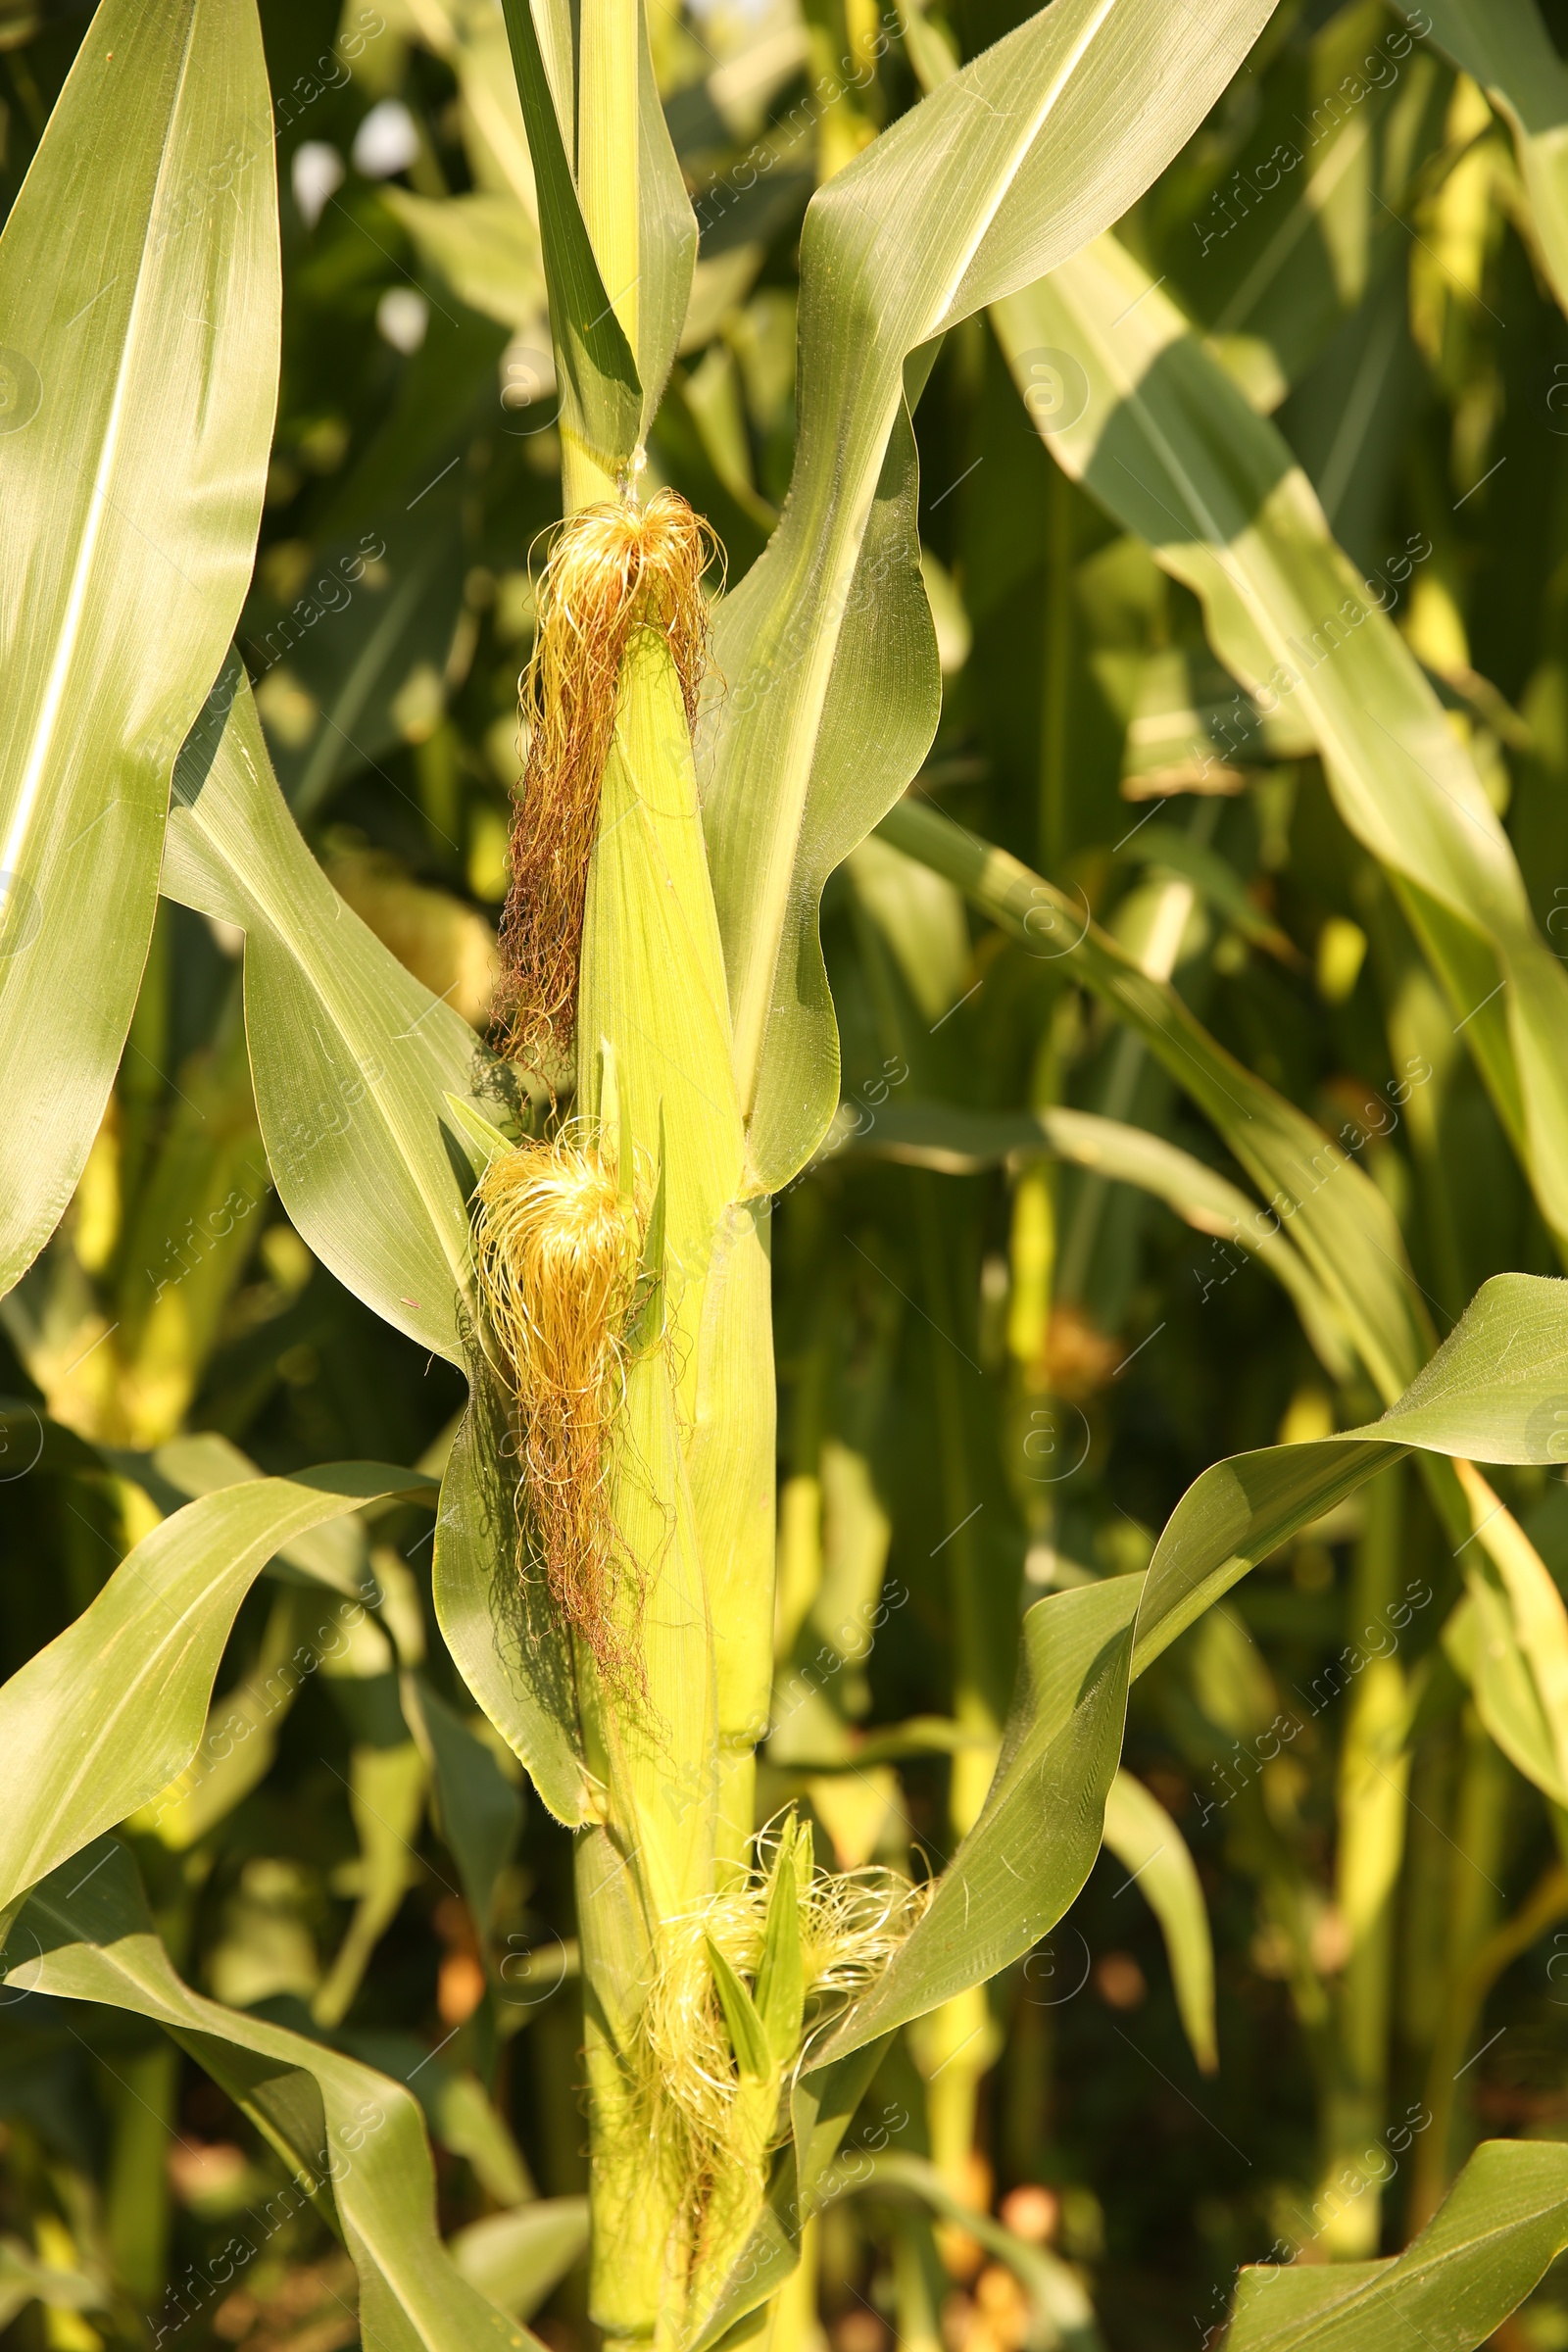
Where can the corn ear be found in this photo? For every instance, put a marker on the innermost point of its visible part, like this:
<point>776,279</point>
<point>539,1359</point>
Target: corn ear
<point>692,1480</point>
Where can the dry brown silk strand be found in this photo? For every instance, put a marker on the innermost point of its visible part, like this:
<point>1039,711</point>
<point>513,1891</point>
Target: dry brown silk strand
<point>613,569</point>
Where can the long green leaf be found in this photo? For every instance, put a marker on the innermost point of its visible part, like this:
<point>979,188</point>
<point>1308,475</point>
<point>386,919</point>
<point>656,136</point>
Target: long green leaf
<point>104,1718</point>
<point>509,1642</point>
<point>1038,1831</point>
<point>352,1056</point>
<point>353,2142</point>
<point>1504,46</point>
<point>1496,1391</point>
<point>1169,445</point>
<point>667,237</point>
<point>958,1140</point>
<point>516,2257</point>
<point>1484,1649</point>
<point>1503,2222</point>
<point>457,2113</point>
<point>1338,1219</point>
<point>1142,1836</point>
<point>827,648</point>
<point>1509,1639</point>
<point>139,291</point>
<point>201,1462</point>
<point>602,398</point>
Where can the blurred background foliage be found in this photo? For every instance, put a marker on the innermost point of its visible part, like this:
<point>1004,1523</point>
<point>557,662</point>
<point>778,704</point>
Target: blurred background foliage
<point>997,1370</point>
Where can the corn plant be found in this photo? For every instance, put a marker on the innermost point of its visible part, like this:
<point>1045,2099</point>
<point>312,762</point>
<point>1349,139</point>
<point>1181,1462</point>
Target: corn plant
<point>576,1216</point>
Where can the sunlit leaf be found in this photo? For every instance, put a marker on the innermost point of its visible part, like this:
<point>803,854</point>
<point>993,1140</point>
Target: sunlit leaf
<point>104,1718</point>
<point>352,2141</point>
<point>1164,439</point>
<point>139,290</point>
<point>827,649</point>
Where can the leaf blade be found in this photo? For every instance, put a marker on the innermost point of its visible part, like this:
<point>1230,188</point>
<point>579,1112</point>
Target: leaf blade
<point>139,285</point>
<point>106,1716</point>
<point>996,176</point>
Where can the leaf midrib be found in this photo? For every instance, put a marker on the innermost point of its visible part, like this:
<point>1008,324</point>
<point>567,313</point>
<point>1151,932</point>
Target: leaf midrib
<point>69,636</point>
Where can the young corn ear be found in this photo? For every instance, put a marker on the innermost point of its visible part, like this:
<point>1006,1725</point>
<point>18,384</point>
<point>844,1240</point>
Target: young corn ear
<point>614,569</point>
<point>747,1981</point>
<point>703,1953</point>
<point>558,1249</point>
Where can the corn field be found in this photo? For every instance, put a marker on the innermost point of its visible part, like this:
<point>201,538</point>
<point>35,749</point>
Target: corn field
<point>784,1175</point>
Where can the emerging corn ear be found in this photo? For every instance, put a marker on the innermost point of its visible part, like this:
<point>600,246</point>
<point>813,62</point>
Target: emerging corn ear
<point>557,1242</point>
<point>635,1337</point>
<point>614,568</point>
<point>747,1981</point>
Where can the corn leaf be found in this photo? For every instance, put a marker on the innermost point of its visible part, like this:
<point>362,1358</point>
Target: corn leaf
<point>1060,2301</point>
<point>1169,445</point>
<point>237,1746</point>
<point>1038,1831</point>
<point>1142,1836</point>
<point>109,1713</point>
<point>748,2036</point>
<point>822,2105</point>
<point>1494,1391</point>
<point>1010,1881</point>
<point>780,1987</point>
<point>601,397</point>
<point>457,2113</point>
<point>1509,1638</point>
<point>201,1462</point>
<point>958,1140</point>
<point>352,2141</point>
<point>516,2257</point>
<point>386,1801</point>
<point>827,647</point>
<point>1300,234</point>
<point>484,245</point>
<point>376,1177</point>
<point>667,238</point>
<point>1484,1649</point>
<point>1503,45</point>
<point>1504,2219</point>
<point>506,1640</point>
<point>1338,1219</point>
<point>139,288</point>
<point>352,1056</point>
